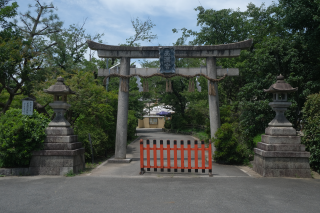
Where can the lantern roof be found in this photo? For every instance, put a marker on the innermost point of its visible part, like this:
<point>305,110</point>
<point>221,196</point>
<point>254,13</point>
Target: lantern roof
<point>280,86</point>
<point>59,88</point>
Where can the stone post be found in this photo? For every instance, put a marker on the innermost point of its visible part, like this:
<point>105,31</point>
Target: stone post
<point>213,100</point>
<point>122,116</point>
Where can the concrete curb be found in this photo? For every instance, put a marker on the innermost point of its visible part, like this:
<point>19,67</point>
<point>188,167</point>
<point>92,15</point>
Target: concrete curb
<point>249,171</point>
<point>315,175</point>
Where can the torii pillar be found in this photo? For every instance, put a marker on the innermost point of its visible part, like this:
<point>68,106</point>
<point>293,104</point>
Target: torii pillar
<point>122,116</point>
<point>214,110</point>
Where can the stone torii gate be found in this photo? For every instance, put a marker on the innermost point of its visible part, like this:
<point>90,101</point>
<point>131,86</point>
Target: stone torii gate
<point>125,53</point>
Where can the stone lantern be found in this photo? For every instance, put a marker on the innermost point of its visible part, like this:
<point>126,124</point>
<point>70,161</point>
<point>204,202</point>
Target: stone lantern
<point>62,153</point>
<point>281,154</point>
<point>60,92</point>
<point>280,102</point>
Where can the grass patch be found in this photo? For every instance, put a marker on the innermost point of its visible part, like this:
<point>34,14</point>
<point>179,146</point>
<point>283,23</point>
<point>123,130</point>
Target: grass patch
<point>70,174</point>
<point>201,135</point>
<point>257,139</point>
<point>198,133</point>
<point>2,175</point>
<point>89,166</point>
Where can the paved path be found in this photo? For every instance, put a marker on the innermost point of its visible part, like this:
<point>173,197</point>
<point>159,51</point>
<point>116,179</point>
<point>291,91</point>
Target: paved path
<point>119,189</point>
<point>133,151</point>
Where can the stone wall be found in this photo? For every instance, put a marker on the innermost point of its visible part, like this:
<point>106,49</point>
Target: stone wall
<point>14,171</point>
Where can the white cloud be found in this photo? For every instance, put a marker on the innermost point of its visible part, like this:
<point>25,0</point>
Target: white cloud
<point>169,7</point>
<point>113,17</point>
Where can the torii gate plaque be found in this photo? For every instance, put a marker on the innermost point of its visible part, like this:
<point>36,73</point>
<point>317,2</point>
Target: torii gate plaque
<point>211,73</point>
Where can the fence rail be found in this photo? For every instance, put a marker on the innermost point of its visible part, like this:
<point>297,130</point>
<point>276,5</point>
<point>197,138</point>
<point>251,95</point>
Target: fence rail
<point>183,165</point>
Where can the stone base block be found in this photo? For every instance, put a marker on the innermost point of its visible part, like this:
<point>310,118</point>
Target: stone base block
<point>113,160</point>
<point>54,131</point>
<point>62,146</point>
<point>56,165</point>
<point>282,167</point>
<point>60,152</point>
<point>281,147</point>
<point>281,154</point>
<point>281,131</point>
<point>269,139</point>
<point>61,139</point>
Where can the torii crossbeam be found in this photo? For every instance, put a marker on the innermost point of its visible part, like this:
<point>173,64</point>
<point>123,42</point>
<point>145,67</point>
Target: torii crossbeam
<point>125,53</point>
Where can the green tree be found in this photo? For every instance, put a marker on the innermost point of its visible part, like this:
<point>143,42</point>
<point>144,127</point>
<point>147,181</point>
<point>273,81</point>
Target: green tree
<point>93,110</point>
<point>281,33</point>
<point>7,11</point>
<point>142,32</point>
<point>22,57</point>
<point>69,52</point>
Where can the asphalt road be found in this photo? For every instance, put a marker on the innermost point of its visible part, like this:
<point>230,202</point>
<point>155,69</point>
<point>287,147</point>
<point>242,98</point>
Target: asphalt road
<point>112,188</point>
<point>149,194</point>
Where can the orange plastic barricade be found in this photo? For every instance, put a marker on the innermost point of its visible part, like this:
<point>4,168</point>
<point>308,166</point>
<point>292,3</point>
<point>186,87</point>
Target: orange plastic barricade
<point>175,150</point>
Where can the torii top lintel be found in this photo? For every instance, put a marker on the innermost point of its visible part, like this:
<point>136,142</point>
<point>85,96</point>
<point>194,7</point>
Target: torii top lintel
<point>219,51</point>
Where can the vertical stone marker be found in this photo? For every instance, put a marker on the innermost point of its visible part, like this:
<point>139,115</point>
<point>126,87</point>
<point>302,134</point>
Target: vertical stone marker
<point>281,154</point>
<point>27,106</point>
<point>62,152</point>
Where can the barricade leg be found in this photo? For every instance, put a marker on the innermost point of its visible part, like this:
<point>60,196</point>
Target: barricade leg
<point>189,156</point>
<point>210,159</point>
<point>196,155</point>
<point>161,155</point>
<point>148,155</point>
<point>175,156</point>
<point>141,158</point>
<point>182,155</point>
<point>203,158</point>
<point>155,155</point>
<point>168,155</point>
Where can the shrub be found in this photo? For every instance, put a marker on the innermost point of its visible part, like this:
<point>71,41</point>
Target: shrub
<point>254,118</point>
<point>229,149</point>
<point>132,125</point>
<point>167,124</point>
<point>178,122</point>
<point>99,137</point>
<point>19,136</point>
<point>257,139</point>
<point>311,129</point>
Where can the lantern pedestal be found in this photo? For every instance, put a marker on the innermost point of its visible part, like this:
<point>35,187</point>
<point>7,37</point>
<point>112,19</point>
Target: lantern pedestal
<point>281,154</point>
<point>62,153</point>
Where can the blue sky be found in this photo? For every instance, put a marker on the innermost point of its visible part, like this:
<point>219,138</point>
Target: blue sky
<point>113,17</point>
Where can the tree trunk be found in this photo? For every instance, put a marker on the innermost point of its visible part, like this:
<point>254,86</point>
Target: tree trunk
<point>7,105</point>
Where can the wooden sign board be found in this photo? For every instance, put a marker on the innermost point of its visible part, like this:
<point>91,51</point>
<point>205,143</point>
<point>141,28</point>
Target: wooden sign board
<point>167,60</point>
